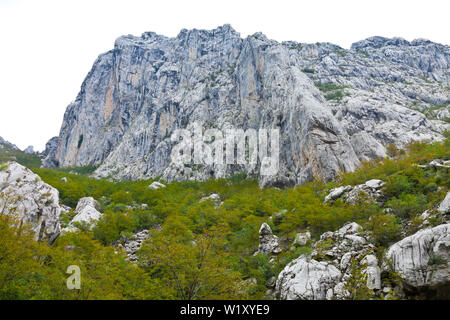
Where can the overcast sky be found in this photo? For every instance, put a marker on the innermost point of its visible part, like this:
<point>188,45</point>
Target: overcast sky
<point>47,47</point>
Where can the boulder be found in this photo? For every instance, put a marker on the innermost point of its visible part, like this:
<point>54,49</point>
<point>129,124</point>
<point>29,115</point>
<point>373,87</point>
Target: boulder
<point>268,242</point>
<point>423,258</point>
<point>24,195</point>
<point>307,279</point>
<point>444,207</point>
<point>87,213</point>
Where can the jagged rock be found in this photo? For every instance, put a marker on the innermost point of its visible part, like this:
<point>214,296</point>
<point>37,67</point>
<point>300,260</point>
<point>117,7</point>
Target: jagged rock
<point>87,213</point>
<point>156,185</point>
<point>423,258</point>
<point>307,279</point>
<point>23,194</point>
<point>29,150</point>
<point>268,242</point>
<point>50,153</point>
<point>147,87</point>
<point>310,278</point>
<point>6,144</point>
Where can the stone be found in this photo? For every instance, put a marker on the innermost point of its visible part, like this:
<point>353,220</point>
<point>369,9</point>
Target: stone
<point>423,258</point>
<point>444,206</point>
<point>372,271</point>
<point>268,242</point>
<point>29,150</point>
<point>24,195</point>
<point>156,185</point>
<point>305,279</point>
<point>87,213</point>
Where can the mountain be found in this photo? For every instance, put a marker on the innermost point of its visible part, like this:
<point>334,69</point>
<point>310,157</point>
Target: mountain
<point>10,152</point>
<point>333,107</point>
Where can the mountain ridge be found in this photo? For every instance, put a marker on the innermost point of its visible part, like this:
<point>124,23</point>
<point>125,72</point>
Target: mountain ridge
<point>381,92</point>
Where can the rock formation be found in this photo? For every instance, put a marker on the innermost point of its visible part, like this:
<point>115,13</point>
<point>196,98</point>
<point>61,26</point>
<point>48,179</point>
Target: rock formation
<point>423,261</point>
<point>334,107</point>
<point>87,213</point>
<point>24,195</point>
<point>268,242</point>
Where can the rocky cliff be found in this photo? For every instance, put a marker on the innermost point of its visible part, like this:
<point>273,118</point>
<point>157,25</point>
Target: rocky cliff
<point>334,107</point>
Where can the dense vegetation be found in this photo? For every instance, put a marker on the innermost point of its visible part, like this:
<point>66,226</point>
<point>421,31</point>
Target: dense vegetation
<point>197,250</point>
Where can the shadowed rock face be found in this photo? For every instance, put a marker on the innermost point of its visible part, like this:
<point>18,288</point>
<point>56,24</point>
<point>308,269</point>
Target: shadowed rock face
<point>137,94</point>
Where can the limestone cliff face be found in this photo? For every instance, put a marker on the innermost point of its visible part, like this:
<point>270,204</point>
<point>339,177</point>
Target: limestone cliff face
<point>137,94</point>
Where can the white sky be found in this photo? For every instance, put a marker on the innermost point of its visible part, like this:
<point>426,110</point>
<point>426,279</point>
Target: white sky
<point>47,47</point>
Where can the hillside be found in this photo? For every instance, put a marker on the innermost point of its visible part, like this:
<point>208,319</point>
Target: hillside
<point>230,239</point>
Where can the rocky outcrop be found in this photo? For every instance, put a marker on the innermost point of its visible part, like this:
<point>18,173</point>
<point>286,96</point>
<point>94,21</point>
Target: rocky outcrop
<point>24,195</point>
<point>423,260</point>
<point>49,153</point>
<point>334,107</point>
<point>6,144</point>
<point>325,273</point>
<point>369,191</point>
<point>29,150</point>
<point>268,242</point>
<point>306,279</point>
<point>86,213</point>
<point>444,206</point>
<point>131,246</point>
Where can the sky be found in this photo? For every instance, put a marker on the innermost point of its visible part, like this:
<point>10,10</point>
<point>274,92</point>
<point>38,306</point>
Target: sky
<point>47,47</point>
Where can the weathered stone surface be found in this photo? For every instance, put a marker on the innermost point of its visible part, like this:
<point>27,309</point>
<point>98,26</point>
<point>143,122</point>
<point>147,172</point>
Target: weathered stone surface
<point>49,153</point>
<point>29,150</point>
<point>444,207</point>
<point>87,213</point>
<point>24,195</point>
<point>268,242</point>
<point>307,279</point>
<point>369,191</point>
<point>423,258</point>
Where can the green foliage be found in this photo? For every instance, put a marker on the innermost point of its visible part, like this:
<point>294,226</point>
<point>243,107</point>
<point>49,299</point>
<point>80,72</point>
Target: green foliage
<point>199,251</point>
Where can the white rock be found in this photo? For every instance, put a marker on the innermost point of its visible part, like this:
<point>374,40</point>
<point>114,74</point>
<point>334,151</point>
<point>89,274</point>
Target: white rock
<point>337,192</point>
<point>423,258</point>
<point>156,185</point>
<point>375,183</point>
<point>268,242</point>
<point>372,271</point>
<point>444,207</point>
<point>23,194</point>
<point>87,213</point>
<point>304,279</point>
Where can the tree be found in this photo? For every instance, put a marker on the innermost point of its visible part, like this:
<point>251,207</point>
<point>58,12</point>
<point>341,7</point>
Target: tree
<point>198,269</point>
